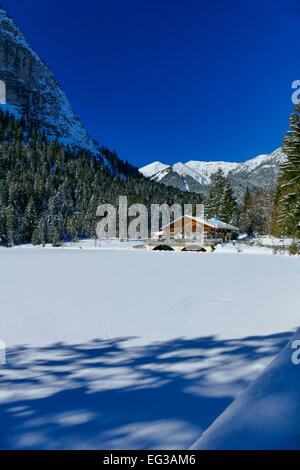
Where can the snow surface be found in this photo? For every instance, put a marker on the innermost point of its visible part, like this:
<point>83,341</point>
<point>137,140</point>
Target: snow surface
<point>266,415</point>
<point>183,170</point>
<point>116,347</point>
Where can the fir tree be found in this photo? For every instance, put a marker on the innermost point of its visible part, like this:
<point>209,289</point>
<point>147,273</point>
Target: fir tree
<point>288,193</point>
<point>216,193</point>
<point>228,205</point>
<point>221,201</point>
<point>10,225</point>
<point>245,220</point>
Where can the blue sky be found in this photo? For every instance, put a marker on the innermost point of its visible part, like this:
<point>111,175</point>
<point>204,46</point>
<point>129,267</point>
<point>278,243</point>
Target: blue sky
<point>172,80</point>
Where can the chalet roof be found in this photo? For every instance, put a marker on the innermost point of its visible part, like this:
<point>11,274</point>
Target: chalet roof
<point>213,223</point>
<point>219,224</point>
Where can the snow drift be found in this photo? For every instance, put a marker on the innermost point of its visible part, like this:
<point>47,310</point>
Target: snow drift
<point>266,415</point>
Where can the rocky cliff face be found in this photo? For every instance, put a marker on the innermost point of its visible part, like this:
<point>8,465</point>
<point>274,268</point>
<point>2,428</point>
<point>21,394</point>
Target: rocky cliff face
<point>32,88</point>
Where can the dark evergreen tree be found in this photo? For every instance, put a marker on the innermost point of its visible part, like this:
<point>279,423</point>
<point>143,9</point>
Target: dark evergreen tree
<point>217,189</point>
<point>228,206</point>
<point>221,201</point>
<point>245,219</point>
<point>288,193</point>
<point>10,225</point>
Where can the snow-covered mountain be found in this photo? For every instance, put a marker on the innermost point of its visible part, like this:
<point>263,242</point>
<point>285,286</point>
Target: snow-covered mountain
<point>257,172</point>
<point>153,168</point>
<point>32,88</point>
<point>207,169</point>
<point>196,175</point>
<point>178,175</point>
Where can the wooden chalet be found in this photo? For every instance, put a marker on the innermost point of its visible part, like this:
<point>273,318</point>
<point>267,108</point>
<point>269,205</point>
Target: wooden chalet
<point>188,228</point>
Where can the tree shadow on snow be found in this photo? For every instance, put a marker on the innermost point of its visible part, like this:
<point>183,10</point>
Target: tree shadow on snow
<point>111,394</point>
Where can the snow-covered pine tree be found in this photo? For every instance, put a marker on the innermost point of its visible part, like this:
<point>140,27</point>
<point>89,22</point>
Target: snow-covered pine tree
<point>228,205</point>
<point>221,201</point>
<point>10,224</point>
<point>28,220</point>
<point>38,235</point>
<point>217,189</point>
<point>71,229</point>
<point>245,215</point>
<point>2,221</point>
<point>288,193</point>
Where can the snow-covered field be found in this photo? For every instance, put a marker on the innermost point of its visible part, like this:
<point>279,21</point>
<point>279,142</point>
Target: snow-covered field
<point>123,348</point>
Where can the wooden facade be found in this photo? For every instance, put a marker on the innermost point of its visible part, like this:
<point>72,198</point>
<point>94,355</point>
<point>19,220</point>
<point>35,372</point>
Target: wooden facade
<point>191,228</point>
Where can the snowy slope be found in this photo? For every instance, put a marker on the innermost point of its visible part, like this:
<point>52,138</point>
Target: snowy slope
<point>260,163</point>
<point>180,176</point>
<point>184,170</point>
<point>153,168</point>
<point>207,169</point>
<point>273,158</point>
<point>32,88</point>
<point>266,415</point>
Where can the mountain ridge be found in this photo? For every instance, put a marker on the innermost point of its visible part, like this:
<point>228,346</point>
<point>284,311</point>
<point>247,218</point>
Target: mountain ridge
<point>196,175</point>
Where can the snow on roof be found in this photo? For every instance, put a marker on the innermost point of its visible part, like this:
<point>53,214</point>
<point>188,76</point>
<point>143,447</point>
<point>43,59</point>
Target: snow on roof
<point>213,223</point>
<point>219,224</point>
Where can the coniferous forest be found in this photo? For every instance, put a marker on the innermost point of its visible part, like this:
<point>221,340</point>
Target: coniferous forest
<point>49,193</point>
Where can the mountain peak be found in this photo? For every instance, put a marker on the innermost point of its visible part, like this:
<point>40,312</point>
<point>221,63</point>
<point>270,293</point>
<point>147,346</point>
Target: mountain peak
<point>31,88</point>
<point>152,168</point>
